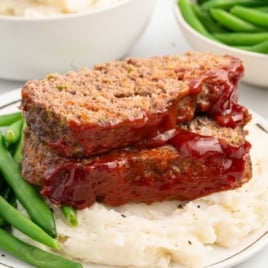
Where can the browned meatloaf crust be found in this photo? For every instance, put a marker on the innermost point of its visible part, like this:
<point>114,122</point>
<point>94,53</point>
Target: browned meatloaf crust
<point>123,102</point>
<point>201,159</point>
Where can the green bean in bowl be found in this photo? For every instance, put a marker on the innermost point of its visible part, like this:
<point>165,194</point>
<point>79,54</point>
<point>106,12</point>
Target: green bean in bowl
<point>234,27</point>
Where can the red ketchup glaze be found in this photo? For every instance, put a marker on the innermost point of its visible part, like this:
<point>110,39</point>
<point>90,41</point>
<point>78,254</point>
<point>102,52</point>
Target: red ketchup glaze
<point>223,87</point>
<point>201,165</point>
<point>206,165</point>
<point>225,163</point>
<point>221,105</point>
<point>91,140</point>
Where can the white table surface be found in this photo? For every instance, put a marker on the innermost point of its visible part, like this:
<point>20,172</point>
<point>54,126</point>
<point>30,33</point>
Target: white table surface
<point>161,37</point>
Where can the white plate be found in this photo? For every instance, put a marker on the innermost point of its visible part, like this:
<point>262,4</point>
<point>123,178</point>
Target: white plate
<point>219,257</point>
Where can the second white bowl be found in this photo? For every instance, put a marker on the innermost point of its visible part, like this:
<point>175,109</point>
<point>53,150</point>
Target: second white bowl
<point>256,64</point>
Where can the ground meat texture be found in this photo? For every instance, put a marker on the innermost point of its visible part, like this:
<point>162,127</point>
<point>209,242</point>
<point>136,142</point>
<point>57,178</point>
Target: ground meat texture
<point>121,103</point>
<point>193,163</point>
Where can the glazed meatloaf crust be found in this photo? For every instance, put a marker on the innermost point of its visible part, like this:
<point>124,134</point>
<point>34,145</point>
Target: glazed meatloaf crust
<point>200,159</point>
<point>120,103</point>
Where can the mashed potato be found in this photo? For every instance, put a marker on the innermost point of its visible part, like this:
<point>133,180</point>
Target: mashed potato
<point>139,235</point>
<point>41,8</point>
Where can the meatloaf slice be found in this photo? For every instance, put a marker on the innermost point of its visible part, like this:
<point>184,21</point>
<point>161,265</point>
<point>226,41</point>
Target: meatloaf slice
<point>200,159</point>
<point>120,103</point>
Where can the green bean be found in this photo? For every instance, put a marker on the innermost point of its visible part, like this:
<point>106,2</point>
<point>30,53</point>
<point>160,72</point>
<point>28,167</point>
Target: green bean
<point>18,151</point>
<point>37,209</point>
<point>8,119</point>
<point>190,17</point>
<point>232,22</point>
<point>33,255</point>
<point>227,4</point>
<point>251,15</point>
<point>238,39</point>
<point>262,8</point>
<point>258,48</point>
<point>13,133</point>
<point>210,24</point>
<point>70,215</point>
<point>25,225</point>
<point>200,2</point>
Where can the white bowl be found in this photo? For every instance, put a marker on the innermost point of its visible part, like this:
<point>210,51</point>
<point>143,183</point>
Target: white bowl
<point>256,64</point>
<point>33,47</point>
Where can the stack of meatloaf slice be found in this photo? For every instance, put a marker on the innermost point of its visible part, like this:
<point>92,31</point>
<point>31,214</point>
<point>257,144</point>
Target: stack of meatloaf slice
<point>137,130</point>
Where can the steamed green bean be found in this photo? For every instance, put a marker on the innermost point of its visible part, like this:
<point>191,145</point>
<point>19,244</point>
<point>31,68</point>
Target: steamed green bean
<point>33,255</point>
<point>8,119</point>
<point>28,196</point>
<point>25,225</point>
<point>253,16</point>
<point>232,22</point>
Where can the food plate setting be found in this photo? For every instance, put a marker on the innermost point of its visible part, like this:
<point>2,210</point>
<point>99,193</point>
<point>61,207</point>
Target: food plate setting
<point>252,197</point>
<point>219,230</point>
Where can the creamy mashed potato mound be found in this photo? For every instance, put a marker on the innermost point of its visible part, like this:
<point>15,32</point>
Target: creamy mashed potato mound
<point>157,235</point>
<point>43,8</point>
